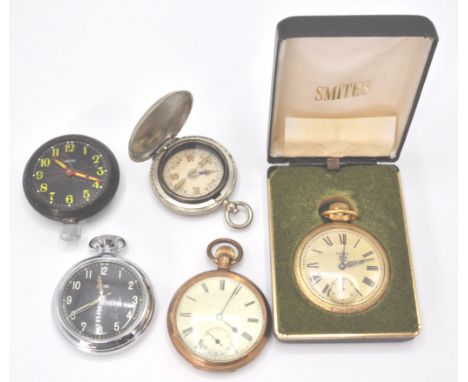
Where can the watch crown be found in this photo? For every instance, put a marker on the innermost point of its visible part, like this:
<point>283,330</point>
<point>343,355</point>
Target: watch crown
<point>71,231</point>
<point>340,212</point>
<point>108,245</point>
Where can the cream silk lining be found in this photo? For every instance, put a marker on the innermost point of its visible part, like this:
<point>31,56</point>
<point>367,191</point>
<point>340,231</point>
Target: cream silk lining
<point>345,96</point>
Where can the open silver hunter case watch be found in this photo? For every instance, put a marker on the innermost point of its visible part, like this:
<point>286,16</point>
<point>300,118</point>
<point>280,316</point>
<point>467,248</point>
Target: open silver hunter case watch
<point>191,175</point>
<point>103,303</point>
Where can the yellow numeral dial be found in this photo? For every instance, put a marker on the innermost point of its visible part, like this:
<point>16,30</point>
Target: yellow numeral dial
<point>69,147</point>
<point>44,162</point>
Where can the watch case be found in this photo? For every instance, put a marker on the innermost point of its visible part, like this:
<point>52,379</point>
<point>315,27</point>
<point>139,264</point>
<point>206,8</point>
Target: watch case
<point>344,92</point>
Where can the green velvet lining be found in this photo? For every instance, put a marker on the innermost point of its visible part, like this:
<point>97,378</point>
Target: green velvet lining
<point>296,193</point>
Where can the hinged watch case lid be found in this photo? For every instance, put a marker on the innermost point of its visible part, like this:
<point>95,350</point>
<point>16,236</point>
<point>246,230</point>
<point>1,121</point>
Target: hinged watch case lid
<point>346,87</point>
<point>161,123</point>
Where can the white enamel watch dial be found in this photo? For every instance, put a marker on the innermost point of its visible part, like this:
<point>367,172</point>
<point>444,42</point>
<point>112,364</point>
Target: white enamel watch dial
<point>218,320</point>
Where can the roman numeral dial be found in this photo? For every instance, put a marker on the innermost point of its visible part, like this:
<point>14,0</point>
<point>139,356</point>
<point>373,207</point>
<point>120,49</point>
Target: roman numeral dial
<point>341,268</point>
<point>219,318</point>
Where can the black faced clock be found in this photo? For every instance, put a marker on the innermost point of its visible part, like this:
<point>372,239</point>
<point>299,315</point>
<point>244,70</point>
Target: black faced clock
<point>105,302</point>
<point>70,178</point>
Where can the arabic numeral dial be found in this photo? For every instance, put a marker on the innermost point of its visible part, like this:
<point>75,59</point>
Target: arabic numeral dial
<point>96,301</point>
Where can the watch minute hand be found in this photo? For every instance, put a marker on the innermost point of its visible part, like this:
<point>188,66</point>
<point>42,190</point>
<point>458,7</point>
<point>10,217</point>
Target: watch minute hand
<point>236,289</point>
<point>87,306</point>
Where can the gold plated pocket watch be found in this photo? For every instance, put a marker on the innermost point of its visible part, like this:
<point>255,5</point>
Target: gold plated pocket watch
<point>219,320</point>
<point>339,266</point>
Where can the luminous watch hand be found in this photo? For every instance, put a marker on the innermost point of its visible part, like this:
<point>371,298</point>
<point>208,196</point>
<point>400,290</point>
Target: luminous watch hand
<point>61,164</point>
<point>78,174</point>
<point>89,305</point>
<point>85,176</point>
<point>99,286</point>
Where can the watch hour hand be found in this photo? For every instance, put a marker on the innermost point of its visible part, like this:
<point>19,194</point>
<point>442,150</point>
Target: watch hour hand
<point>233,328</point>
<point>61,164</point>
<point>357,262</point>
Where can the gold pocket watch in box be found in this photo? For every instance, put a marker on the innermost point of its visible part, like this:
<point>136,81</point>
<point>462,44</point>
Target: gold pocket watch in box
<point>344,94</point>
<point>340,267</point>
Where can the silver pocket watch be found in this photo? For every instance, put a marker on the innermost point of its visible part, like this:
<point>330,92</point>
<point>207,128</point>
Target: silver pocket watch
<point>103,303</point>
<point>191,175</point>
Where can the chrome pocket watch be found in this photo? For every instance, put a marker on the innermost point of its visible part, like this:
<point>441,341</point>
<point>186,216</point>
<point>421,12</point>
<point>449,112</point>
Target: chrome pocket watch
<point>191,175</point>
<point>339,266</point>
<point>103,303</point>
<point>219,320</point>
<point>70,178</point>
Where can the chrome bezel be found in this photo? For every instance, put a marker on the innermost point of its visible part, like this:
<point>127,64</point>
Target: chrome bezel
<point>193,208</point>
<point>130,335</point>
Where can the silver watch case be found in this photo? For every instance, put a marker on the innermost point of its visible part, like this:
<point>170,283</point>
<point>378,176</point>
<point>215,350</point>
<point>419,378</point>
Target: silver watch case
<point>194,208</point>
<point>132,334</point>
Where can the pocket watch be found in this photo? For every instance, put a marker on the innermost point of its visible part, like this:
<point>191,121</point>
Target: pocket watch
<point>70,178</point>
<point>339,266</point>
<point>191,175</point>
<point>103,303</point>
<point>219,320</point>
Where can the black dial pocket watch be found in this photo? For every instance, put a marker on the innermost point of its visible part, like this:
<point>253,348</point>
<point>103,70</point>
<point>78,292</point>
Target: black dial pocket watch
<point>191,175</point>
<point>103,303</point>
<point>70,178</point>
<point>219,320</point>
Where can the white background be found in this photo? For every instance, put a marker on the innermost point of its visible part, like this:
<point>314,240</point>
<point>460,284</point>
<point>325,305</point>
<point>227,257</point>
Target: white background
<point>94,67</point>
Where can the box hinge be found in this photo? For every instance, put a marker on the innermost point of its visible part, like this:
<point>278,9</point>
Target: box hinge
<point>333,163</point>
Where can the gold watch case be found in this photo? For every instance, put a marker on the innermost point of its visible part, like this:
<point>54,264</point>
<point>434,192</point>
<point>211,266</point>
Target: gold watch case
<point>224,257</point>
<point>312,279</point>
